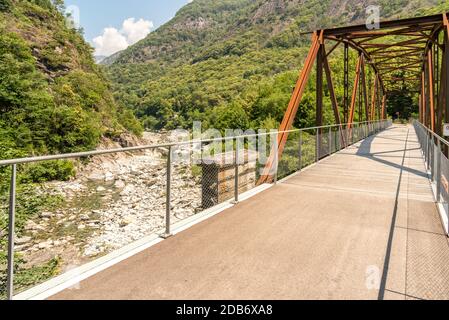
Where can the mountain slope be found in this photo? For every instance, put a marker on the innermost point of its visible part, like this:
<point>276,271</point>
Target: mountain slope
<point>53,98</point>
<point>234,61</point>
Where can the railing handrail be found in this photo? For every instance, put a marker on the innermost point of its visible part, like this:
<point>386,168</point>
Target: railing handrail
<point>156,146</point>
<point>367,129</point>
<point>441,139</point>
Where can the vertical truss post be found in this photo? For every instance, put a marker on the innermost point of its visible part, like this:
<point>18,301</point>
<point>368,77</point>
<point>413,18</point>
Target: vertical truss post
<point>384,106</point>
<point>423,97</point>
<point>379,103</point>
<point>440,95</point>
<point>360,115</point>
<point>431,90</point>
<point>364,91</point>
<point>419,107</point>
<point>330,85</point>
<point>373,99</point>
<point>354,92</point>
<point>427,94</point>
<point>346,84</point>
<point>444,91</point>
<point>319,97</point>
<point>437,68</point>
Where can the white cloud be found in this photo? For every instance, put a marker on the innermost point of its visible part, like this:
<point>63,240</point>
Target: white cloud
<point>136,30</point>
<point>110,42</point>
<point>113,40</point>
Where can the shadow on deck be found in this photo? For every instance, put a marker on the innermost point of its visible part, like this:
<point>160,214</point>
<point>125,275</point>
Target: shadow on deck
<point>362,224</point>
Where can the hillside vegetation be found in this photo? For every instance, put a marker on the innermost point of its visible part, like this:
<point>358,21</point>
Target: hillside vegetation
<point>234,63</point>
<point>53,98</point>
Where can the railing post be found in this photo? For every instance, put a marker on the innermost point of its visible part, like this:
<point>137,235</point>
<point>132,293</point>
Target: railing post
<point>339,140</point>
<point>432,152</point>
<point>276,159</point>
<point>428,150</point>
<point>330,140</point>
<point>317,155</point>
<point>300,151</point>
<point>354,133</point>
<point>168,195</point>
<point>236,172</point>
<point>11,234</point>
<point>438,173</point>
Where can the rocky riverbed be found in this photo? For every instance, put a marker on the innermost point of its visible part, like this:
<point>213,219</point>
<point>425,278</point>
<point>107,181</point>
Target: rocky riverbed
<point>113,201</point>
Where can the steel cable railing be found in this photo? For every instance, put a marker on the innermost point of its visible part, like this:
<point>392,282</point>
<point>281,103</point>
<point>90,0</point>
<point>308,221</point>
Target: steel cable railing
<point>435,152</point>
<point>209,182</point>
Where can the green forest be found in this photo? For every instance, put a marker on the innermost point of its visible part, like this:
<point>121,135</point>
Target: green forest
<point>53,97</point>
<point>234,63</point>
<point>229,64</point>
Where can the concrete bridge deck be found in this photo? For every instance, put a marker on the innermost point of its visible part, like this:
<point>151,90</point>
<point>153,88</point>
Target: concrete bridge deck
<point>362,224</point>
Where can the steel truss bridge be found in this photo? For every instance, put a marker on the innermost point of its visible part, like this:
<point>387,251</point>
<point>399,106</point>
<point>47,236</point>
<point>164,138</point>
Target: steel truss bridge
<point>355,210</point>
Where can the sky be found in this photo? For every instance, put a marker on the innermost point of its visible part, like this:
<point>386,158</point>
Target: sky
<point>113,25</point>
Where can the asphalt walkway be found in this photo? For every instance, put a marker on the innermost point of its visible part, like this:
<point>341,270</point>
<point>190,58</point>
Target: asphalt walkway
<point>361,224</point>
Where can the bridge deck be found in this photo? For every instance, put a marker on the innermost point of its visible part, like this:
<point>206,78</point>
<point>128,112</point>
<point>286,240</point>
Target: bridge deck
<point>363,218</point>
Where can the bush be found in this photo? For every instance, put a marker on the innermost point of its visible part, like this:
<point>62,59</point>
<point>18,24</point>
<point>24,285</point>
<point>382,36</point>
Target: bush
<point>61,170</point>
<point>129,121</point>
<point>5,5</point>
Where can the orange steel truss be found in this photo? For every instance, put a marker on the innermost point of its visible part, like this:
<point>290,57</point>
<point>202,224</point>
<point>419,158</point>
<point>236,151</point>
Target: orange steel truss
<point>404,55</point>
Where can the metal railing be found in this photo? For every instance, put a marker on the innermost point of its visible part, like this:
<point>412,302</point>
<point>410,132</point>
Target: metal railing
<point>303,147</point>
<point>435,151</point>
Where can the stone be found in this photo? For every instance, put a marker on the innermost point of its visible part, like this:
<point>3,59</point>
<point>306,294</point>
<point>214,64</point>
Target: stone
<point>109,176</point>
<point>96,176</point>
<point>46,214</point>
<point>45,245</point>
<point>129,189</point>
<point>23,240</point>
<point>84,217</point>
<point>31,225</point>
<point>119,184</point>
<point>101,189</point>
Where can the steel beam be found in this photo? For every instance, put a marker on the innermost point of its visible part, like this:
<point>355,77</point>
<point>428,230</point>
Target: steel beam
<point>364,90</point>
<point>373,99</point>
<point>332,95</point>
<point>346,83</point>
<point>431,85</point>
<point>384,106</point>
<point>445,86</point>
<point>355,91</point>
<point>319,98</point>
<point>293,105</point>
<point>428,20</point>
